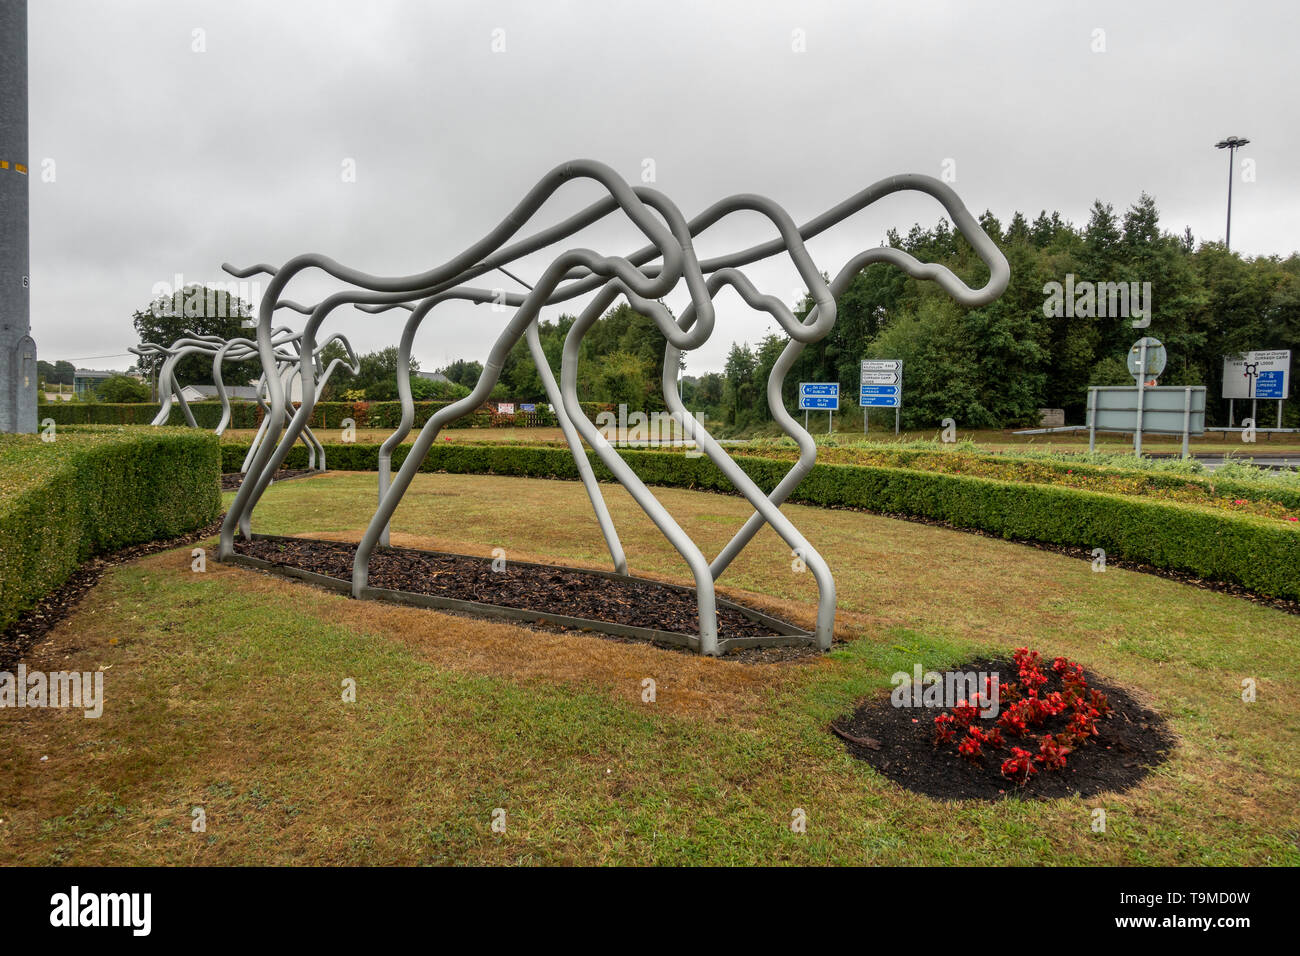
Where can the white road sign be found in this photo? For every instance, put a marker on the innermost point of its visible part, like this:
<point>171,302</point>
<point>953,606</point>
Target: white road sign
<point>1265,374</point>
<point>882,383</point>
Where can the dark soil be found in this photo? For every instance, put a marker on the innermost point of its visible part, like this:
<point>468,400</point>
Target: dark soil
<point>231,480</point>
<point>22,640</point>
<point>899,742</point>
<point>555,590</point>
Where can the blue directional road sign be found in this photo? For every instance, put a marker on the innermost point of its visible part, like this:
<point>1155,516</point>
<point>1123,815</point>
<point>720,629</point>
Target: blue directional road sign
<point>882,383</point>
<point>819,395</point>
<point>1270,385</point>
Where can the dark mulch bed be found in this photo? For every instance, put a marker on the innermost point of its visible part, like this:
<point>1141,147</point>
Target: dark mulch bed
<point>22,640</point>
<point>899,742</point>
<point>231,480</point>
<point>555,590</point>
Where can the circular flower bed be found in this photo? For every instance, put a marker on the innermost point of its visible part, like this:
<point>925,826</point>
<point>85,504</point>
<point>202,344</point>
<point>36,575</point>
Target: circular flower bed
<point>1025,729</point>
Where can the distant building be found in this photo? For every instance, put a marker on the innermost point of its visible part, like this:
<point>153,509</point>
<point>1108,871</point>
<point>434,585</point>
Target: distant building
<point>85,379</point>
<point>433,377</point>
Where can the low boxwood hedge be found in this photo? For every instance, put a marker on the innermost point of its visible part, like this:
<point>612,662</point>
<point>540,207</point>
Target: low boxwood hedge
<point>1260,554</point>
<point>95,490</point>
<point>245,415</point>
<point>1062,470</point>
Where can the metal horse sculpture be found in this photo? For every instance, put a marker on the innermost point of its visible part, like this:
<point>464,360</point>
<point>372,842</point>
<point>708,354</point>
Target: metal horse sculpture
<point>642,278</point>
<point>288,365</point>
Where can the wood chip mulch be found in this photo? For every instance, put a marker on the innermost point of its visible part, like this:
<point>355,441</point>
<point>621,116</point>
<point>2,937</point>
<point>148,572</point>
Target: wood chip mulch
<point>549,589</point>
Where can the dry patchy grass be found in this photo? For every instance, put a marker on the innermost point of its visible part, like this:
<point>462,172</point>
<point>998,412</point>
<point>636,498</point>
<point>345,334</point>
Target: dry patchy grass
<point>224,692</point>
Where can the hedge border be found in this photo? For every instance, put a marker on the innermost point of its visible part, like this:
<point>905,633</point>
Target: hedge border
<point>247,415</point>
<point>1256,553</point>
<point>95,491</point>
<point>951,461</point>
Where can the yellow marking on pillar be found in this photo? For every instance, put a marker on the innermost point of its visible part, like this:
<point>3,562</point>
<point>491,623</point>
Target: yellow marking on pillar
<point>21,168</point>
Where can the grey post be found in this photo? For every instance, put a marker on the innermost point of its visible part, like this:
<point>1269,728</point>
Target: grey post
<point>18,374</point>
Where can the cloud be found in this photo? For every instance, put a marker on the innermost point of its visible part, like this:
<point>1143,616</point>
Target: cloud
<point>172,161</point>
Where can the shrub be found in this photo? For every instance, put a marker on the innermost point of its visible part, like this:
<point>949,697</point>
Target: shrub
<point>92,491</point>
<point>122,389</point>
<point>247,415</point>
<point>1175,479</point>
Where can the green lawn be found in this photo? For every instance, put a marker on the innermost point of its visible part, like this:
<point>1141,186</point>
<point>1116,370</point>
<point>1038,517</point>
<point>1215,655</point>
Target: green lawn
<point>224,692</point>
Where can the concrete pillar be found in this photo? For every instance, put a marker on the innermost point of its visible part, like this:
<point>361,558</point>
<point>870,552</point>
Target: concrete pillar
<point>17,350</point>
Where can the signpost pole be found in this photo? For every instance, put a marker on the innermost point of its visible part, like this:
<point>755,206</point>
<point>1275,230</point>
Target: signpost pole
<point>881,385</point>
<point>1092,420</point>
<point>1187,420</point>
<point>1279,413</point>
<point>829,416</point>
<point>1142,384</point>
<point>1254,411</point>
<point>1231,409</point>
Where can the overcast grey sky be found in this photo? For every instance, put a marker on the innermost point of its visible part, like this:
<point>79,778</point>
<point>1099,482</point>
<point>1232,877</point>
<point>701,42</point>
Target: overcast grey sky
<point>166,160</point>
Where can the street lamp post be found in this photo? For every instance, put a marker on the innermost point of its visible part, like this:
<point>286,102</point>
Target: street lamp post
<point>1230,144</point>
<point>18,369</point>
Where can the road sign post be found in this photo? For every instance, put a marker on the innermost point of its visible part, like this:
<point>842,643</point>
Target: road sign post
<point>1161,410</point>
<point>1146,360</point>
<point>1255,375</point>
<point>819,395</point>
<point>881,387</point>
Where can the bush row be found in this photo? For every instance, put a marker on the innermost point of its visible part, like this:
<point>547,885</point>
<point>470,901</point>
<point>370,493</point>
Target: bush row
<point>1260,554</point>
<point>325,415</point>
<point>91,491</point>
<point>1066,469</point>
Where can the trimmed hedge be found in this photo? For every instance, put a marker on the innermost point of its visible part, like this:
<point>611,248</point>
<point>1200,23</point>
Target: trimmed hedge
<point>1112,478</point>
<point>326,414</point>
<point>1257,553</point>
<point>95,490</point>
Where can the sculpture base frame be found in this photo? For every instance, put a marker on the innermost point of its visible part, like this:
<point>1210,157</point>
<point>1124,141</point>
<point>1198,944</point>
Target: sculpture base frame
<point>784,634</point>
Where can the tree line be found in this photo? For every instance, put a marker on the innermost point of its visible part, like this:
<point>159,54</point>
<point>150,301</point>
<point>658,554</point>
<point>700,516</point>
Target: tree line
<point>991,367</point>
<point>1066,321</point>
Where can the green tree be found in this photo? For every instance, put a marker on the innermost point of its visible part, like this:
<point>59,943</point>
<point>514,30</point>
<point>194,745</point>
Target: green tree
<point>122,388</point>
<point>738,397</point>
<point>377,378</point>
<point>623,378</point>
<point>463,372</point>
<point>195,308</point>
